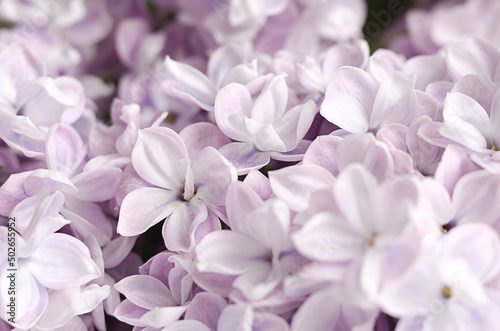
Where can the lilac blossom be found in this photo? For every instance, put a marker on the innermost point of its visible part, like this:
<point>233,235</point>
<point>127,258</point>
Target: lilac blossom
<point>248,250</point>
<point>188,182</point>
<point>52,266</point>
<point>301,182</point>
<point>264,128</point>
<point>357,103</point>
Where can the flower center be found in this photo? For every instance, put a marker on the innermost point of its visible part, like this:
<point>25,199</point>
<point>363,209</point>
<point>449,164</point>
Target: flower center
<point>446,292</point>
<point>188,197</point>
<point>493,148</point>
<point>443,230</point>
<point>371,242</point>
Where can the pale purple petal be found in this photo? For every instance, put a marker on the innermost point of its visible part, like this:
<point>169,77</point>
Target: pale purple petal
<point>19,64</point>
<point>294,185</point>
<point>465,121</point>
<point>98,184</point>
<point>471,56</point>
<point>244,157</point>
<point>129,35</point>
<point>293,126</point>
<point>143,208</point>
<point>187,325</point>
<point>349,99</point>
<point>162,316</point>
<point>116,251</point>
<point>327,237</point>
<point>396,101</point>
<point>383,62</point>
<point>367,150</point>
<point>88,219</point>
<point>229,253</point>
<point>320,311</point>
<point>48,101</point>
<point>241,200</point>
<point>161,158</point>
<point>61,262</point>
<point>45,182</point>
<point>270,105</point>
<point>495,117</point>
<point>190,84</point>
<point>197,136</point>
<point>21,134</point>
<point>323,152</point>
<point>232,99</point>
<point>454,164</point>
<point>145,291</point>
<point>206,307</point>
<point>12,192</point>
<point>180,227</point>
<point>472,196</point>
<point>295,155</point>
<point>478,88</point>
<point>53,316</point>
<point>212,175</point>
<point>259,183</point>
<point>64,150</point>
<point>32,298</point>
<point>478,245</point>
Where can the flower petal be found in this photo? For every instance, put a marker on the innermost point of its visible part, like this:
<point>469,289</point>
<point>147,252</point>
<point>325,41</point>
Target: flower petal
<point>64,149</point>
<point>206,307</point>
<point>189,83</point>
<point>244,157</point>
<point>213,174</point>
<point>145,291</point>
<point>143,208</point>
<point>62,261</point>
<point>294,185</point>
<point>45,182</point>
<point>478,245</point>
<point>232,99</point>
<point>349,99</point>
<point>228,253</point>
<point>396,101</point>
<point>161,158</point>
<point>199,135</point>
<point>270,105</point>
<point>241,200</point>
<point>97,185</point>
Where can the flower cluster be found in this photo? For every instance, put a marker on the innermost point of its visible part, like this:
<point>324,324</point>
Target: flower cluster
<point>230,165</point>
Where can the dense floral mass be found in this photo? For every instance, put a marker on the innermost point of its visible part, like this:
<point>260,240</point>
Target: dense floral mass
<point>239,165</point>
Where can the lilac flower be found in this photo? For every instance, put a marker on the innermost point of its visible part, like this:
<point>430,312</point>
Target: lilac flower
<point>190,180</point>
<point>357,103</point>
<point>314,74</point>
<point>470,121</point>
<point>253,249</point>
<point>31,103</point>
<point>226,65</point>
<point>263,128</point>
<point>451,287</point>
<point>163,293</point>
<point>65,156</point>
<point>52,266</point>
<point>359,229</point>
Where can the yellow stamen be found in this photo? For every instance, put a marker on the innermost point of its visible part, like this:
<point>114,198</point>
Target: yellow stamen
<point>446,292</point>
<point>182,194</point>
<point>371,243</point>
<point>271,256</point>
<point>170,118</point>
<point>443,230</point>
<point>494,148</point>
